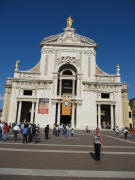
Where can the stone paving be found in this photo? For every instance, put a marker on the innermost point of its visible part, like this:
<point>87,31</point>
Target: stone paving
<point>68,159</point>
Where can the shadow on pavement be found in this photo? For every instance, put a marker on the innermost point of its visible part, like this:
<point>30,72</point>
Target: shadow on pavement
<point>92,155</point>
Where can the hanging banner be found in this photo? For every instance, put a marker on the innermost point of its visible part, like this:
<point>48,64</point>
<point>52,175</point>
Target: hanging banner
<point>43,106</point>
<point>66,107</point>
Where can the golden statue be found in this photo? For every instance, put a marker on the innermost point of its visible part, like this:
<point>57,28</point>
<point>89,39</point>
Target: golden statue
<point>69,22</point>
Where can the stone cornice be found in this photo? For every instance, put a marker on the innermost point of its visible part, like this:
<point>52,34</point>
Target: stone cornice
<point>32,99</point>
<point>69,45</point>
<point>59,100</point>
<point>101,83</point>
<point>111,102</point>
<point>27,72</point>
<point>32,80</point>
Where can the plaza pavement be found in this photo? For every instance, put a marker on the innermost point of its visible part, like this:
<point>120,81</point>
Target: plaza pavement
<point>68,159</point>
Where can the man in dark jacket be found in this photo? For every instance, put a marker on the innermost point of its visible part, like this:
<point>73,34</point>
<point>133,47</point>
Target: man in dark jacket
<point>46,131</point>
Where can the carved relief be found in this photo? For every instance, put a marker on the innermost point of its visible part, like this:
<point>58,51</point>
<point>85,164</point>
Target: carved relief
<point>89,52</point>
<point>47,51</point>
<point>68,60</point>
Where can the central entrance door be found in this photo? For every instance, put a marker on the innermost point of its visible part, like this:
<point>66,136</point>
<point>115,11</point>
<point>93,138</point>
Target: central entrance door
<point>65,119</point>
<point>105,117</point>
<point>26,111</point>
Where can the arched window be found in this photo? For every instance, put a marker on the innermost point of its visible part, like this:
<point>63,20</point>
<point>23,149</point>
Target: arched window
<point>67,72</point>
<point>66,67</point>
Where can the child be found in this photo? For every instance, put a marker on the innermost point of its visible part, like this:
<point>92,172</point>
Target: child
<point>117,131</point>
<point>72,132</point>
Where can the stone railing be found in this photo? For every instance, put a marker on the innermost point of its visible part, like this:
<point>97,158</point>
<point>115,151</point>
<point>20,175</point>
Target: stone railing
<point>105,78</point>
<point>26,75</point>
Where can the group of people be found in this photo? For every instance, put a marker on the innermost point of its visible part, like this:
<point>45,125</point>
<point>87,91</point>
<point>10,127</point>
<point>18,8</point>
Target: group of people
<point>60,130</point>
<point>125,131</point>
<point>28,131</point>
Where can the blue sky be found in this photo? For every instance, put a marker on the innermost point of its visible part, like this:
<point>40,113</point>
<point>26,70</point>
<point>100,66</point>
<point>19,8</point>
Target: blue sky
<point>111,23</point>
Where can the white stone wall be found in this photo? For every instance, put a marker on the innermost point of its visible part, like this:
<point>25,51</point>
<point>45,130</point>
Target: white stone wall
<point>13,104</point>
<point>82,55</point>
<point>89,110</point>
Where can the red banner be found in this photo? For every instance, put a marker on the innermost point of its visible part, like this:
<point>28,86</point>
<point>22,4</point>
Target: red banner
<point>43,106</point>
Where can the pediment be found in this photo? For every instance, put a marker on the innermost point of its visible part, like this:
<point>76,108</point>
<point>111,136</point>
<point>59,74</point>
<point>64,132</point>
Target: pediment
<point>68,37</point>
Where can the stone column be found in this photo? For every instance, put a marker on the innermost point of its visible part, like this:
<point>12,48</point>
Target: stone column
<point>4,114</point>
<point>58,115</point>
<point>16,111</point>
<point>79,85</point>
<point>73,116</point>
<point>55,86</point>
<point>73,88</point>
<point>99,115</point>
<point>60,87</point>
<point>32,113</point>
<point>19,112</point>
<point>112,117</point>
<point>36,113</point>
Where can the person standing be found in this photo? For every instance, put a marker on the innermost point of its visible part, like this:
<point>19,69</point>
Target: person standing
<point>97,144</point>
<point>133,132</point>
<point>65,132</point>
<point>72,132</point>
<point>125,132</point>
<point>34,133</point>
<point>25,132</point>
<point>117,131</point>
<point>61,129</point>
<point>30,133</point>
<point>46,131</point>
<point>5,132</point>
<point>16,130</point>
<point>1,130</point>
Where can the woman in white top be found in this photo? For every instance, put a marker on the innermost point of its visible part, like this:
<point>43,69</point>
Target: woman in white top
<point>97,144</point>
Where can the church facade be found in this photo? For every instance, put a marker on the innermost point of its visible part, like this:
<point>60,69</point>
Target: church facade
<point>67,71</point>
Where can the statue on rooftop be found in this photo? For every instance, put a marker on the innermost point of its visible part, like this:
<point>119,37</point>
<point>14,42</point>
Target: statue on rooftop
<point>17,65</point>
<point>69,22</point>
